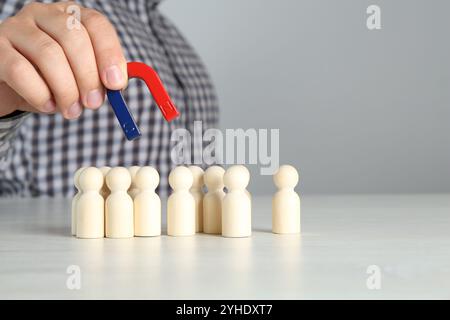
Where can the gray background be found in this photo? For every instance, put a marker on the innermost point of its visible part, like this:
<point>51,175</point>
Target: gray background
<point>358,110</point>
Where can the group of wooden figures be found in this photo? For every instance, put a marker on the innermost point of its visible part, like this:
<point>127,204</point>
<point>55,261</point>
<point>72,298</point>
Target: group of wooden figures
<point>122,203</point>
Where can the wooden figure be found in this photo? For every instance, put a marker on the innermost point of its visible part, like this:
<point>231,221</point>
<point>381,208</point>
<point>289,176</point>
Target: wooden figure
<point>286,202</point>
<point>133,191</point>
<point>236,206</point>
<point>90,207</point>
<point>181,204</point>
<point>119,205</point>
<point>197,193</point>
<point>147,204</point>
<point>212,201</point>
<point>75,200</point>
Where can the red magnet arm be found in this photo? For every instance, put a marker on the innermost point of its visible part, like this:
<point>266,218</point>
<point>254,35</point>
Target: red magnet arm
<point>144,72</point>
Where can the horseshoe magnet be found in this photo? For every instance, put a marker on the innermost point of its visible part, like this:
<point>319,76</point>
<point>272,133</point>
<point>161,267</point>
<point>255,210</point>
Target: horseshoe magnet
<point>144,72</point>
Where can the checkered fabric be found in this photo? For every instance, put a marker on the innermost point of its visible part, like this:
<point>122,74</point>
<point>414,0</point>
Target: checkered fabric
<point>40,153</point>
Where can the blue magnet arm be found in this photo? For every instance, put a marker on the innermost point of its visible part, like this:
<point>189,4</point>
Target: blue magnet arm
<point>123,114</point>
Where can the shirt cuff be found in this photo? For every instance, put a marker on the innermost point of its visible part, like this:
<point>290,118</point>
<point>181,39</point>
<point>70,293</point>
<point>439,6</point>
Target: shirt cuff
<point>8,126</point>
<point>13,115</point>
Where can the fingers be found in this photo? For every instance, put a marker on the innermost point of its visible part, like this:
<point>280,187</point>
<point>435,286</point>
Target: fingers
<point>20,75</point>
<point>50,63</point>
<point>111,62</point>
<point>49,57</point>
<point>79,52</point>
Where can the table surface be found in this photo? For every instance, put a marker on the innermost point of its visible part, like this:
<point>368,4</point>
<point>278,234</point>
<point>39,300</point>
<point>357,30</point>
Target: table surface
<point>406,236</point>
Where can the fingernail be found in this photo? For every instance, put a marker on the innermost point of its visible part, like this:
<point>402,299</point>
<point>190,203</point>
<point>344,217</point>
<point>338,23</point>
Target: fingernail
<point>94,99</point>
<point>50,106</point>
<point>114,76</point>
<point>74,110</point>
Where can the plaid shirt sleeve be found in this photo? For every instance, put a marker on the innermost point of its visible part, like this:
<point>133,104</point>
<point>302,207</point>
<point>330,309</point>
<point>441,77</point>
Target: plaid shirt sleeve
<point>8,128</point>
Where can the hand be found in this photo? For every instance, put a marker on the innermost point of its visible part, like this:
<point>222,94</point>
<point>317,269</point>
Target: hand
<point>47,66</point>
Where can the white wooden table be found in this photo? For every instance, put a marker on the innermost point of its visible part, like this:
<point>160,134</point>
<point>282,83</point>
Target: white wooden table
<point>406,237</point>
